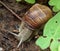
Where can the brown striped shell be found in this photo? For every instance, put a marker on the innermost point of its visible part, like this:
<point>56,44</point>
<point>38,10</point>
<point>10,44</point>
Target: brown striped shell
<point>37,15</point>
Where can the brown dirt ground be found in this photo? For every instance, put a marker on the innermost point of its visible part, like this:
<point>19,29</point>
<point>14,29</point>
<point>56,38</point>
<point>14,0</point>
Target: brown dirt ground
<point>8,21</point>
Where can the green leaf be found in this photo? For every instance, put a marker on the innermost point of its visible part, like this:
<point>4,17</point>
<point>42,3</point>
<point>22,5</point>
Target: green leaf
<point>52,29</point>
<point>18,0</point>
<point>57,33</point>
<point>52,32</point>
<point>43,42</point>
<point>55,9</point>
<point>55,4</point>
<point>51,26</point>
<point>54,46</point>
<point>30,1</point>
<point>59,48</point>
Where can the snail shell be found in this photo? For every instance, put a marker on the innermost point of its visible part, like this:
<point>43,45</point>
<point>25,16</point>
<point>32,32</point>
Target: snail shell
<point>37,15</point>
<point>34,17</point>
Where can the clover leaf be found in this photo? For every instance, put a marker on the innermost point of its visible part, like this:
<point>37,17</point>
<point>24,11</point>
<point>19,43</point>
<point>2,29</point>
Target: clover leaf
<point>54,45</point>
<point>52,32</point>
<point>51,25</point>
<point>43,42</point>
<point>18,0</point>
<point>59,48</point>
<point>55,4</point>
<point>28,1</point>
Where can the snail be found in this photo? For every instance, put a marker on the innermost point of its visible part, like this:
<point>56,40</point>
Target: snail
<point>34,18</point>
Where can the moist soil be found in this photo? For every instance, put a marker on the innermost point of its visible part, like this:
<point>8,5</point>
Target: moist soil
<point>9,22</point>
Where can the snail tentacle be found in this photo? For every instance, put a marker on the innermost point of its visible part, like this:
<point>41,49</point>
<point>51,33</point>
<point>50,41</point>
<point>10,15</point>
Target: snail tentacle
<point>13,33</point>
<point>19,43</point>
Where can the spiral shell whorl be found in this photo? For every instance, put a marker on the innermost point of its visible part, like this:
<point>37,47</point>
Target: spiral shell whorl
<point>37,15</point>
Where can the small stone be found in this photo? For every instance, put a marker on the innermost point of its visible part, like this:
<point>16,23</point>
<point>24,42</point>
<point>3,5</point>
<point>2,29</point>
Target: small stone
<point>1,49</point>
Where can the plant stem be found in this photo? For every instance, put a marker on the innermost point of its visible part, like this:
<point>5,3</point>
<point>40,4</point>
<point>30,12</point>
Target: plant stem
<point>11,11</point>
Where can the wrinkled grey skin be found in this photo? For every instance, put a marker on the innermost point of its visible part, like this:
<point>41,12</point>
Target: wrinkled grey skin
<point>24,33</point>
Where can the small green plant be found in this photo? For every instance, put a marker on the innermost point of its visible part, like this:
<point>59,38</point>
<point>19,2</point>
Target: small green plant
<point>55,4</point>
<point>51,32</point>
<point>28,1</point>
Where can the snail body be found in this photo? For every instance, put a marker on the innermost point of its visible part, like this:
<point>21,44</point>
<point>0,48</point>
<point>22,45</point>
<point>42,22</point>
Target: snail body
<point>34,18</point>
